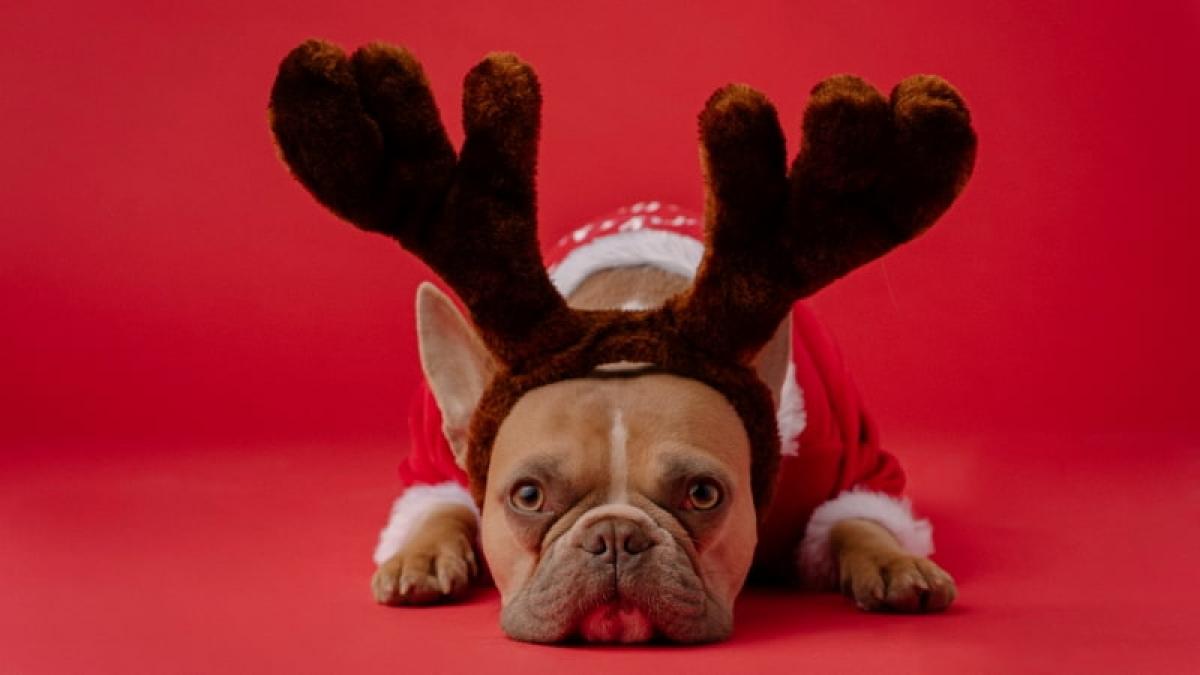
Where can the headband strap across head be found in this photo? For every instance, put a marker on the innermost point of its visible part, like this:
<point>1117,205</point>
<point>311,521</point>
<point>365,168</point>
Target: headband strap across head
<point>364,136</point>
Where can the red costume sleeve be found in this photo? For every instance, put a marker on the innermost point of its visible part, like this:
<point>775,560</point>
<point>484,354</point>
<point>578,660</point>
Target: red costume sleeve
<point>429,460</point>
<point>838,450</point>
<point>836,416</point>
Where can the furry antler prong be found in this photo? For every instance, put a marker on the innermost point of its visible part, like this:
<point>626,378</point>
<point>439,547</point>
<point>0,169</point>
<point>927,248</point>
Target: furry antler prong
<point>488,250</point>
<point>935,150</point>
<point>363,134</point>
<point>871,173</point>
<point>736,303</point>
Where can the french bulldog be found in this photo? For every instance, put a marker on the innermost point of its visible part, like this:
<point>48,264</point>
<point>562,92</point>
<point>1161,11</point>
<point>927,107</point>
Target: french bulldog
<point>626,500</point>
<point>619,505</point>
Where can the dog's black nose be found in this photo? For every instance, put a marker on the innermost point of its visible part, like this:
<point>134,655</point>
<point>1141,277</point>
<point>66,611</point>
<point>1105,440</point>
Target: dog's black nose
<point>614,539</point>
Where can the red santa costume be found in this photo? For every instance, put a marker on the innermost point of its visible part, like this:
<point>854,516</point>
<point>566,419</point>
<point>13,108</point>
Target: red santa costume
<point>832,466</point>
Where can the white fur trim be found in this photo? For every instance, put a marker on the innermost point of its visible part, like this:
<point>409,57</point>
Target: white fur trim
<point>893,513</point>
<point>791,416</point>
<point>412,507</point>
<point>630,246</point>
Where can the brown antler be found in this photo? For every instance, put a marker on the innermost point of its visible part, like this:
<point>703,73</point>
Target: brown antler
<point>364,136</point>
<point>871,174</point>
<point>736,301</point>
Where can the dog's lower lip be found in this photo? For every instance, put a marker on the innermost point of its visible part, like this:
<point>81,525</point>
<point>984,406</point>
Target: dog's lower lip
<point>618,621</point>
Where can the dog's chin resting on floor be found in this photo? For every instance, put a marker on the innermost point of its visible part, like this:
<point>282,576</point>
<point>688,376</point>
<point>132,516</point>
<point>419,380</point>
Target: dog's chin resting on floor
<point>626,435</point>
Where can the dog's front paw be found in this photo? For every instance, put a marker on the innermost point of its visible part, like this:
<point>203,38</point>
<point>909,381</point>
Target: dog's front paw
<point>426,572</point>
<point>896,582</point>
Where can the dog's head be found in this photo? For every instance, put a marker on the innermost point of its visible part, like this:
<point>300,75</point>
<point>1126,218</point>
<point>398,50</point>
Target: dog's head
<point>618,506</point>
<point>628,501</point>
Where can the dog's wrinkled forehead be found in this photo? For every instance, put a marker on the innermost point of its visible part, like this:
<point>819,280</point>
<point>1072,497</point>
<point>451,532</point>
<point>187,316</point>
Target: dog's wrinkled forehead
<point>625,424</point>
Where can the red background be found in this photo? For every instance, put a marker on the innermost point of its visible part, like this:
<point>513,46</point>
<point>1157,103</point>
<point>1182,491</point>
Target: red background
<point>184,326</point>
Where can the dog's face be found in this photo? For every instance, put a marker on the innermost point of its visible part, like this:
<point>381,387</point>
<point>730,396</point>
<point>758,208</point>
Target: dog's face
<point>618,507</point>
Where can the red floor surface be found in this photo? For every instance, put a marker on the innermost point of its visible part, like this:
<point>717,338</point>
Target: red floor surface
<point>1074,554</point>
<point>173,304</point>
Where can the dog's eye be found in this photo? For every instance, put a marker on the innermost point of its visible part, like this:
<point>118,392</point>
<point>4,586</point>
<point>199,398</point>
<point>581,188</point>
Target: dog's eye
<point>527,496</point>
<point>704,494</point>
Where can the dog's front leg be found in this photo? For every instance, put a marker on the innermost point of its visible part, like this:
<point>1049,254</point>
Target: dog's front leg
<point>435,562</point>
<point>878,574</point>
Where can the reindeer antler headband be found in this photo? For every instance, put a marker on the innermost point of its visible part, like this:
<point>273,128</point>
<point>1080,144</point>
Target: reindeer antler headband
<point>364,136</point>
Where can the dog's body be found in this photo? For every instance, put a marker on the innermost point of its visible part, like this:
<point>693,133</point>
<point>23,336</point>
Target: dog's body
<point>838,514</point>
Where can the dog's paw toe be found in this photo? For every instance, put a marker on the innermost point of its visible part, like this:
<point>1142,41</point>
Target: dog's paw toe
<point>900,584</point>
<point>424,577</point>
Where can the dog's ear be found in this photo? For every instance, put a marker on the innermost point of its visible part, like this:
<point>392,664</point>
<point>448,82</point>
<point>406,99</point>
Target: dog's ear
<point>771,363</point>
<point>456,364</point>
